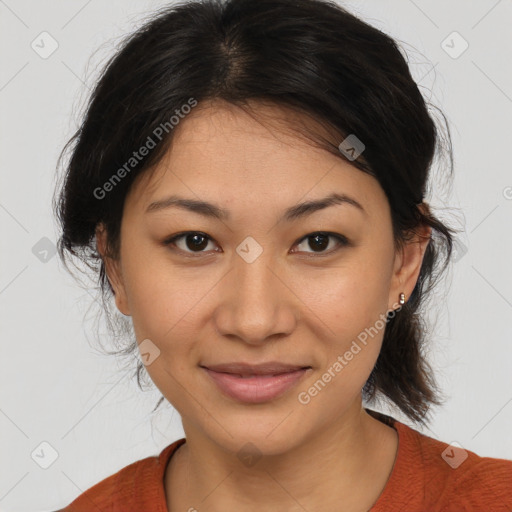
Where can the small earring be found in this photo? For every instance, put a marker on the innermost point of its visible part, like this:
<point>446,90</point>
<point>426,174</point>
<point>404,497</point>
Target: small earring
<point>401,299</point>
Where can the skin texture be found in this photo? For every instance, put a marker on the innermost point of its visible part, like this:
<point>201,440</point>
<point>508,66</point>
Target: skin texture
<point>292,304</point>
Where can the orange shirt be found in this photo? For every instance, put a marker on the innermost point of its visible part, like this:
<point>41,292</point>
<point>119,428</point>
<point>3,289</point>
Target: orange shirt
<point>428,476</point>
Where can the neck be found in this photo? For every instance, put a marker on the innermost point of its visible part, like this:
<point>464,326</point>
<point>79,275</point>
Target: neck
<point>346,465</point>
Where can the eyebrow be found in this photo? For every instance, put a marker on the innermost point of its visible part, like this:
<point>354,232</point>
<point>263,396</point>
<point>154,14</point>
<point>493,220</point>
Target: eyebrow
<point>213,211</point>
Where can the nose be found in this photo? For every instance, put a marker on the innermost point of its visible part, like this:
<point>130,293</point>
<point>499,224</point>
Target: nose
<point>256,302</point>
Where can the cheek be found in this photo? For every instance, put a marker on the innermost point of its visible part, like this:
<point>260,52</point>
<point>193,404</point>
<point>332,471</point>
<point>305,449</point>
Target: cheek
<point>164,308</point>
<point>351,295</point>
<point>159,302</point>
<point>352,307</point>
<point>349,348</point>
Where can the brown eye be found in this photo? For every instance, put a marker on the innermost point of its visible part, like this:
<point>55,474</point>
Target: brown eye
<point>191,242</point>
<point>195,242</point>
<point>319,241</point>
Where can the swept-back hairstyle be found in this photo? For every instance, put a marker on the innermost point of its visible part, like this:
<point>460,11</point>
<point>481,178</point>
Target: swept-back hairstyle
<point>311,57</point>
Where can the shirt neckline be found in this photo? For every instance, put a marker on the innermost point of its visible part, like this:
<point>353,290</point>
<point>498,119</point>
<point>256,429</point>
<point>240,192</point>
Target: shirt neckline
<point>397,471</point>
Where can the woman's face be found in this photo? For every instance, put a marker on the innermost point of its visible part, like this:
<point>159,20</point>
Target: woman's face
<point>251,286</point>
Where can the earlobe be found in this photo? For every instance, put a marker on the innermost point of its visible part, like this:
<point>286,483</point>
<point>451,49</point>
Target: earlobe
<point>408,265</point>
<point>112,271</point>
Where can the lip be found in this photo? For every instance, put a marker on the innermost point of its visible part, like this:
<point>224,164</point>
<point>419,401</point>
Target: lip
<point>262,382</point>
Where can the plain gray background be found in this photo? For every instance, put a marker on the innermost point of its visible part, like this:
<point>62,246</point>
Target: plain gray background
<point>56,389</point>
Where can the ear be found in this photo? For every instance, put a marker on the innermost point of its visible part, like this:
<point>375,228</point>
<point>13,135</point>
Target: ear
<point>408,261</point>
<point>112,270</point>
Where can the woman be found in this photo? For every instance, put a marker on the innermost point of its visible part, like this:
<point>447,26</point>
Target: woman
<point>250,178</point>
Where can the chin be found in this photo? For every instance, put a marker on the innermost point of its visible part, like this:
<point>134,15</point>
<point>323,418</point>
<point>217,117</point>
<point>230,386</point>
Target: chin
<point>266,431</point>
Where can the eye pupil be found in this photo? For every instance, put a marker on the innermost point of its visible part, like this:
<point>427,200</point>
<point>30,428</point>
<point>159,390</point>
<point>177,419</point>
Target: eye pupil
<point>196,244</point>
<point>323,243</point>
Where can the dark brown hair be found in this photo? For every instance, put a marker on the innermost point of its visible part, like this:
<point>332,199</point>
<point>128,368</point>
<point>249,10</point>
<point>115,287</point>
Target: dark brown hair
<point>311,57</point>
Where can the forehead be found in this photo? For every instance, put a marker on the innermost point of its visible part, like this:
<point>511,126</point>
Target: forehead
<point>223,151</point>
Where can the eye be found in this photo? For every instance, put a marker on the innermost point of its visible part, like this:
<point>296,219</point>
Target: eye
<point>196,242</point>
<point>320,240</point>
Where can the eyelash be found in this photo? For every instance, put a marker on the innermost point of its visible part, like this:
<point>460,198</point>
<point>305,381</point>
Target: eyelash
<point>342,242</point>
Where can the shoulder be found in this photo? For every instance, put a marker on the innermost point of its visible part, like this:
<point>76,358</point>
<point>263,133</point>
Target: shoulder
<point>456,477</point>
<point>429,474</point>
<point>133,486</point>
